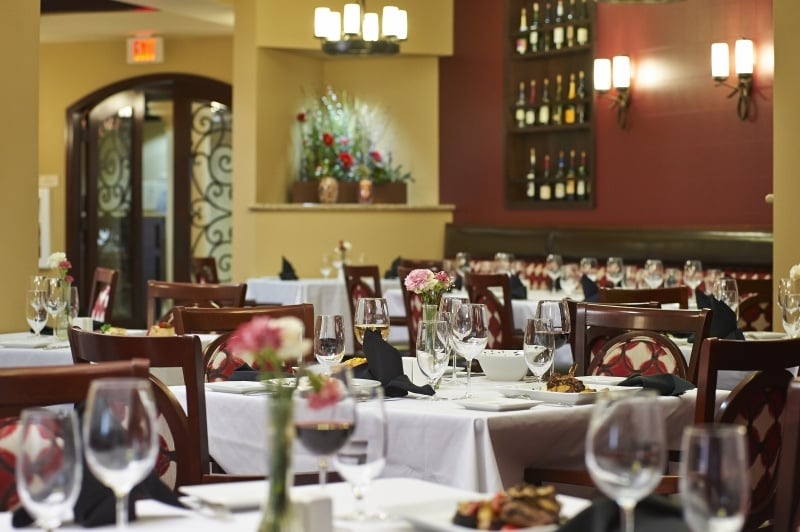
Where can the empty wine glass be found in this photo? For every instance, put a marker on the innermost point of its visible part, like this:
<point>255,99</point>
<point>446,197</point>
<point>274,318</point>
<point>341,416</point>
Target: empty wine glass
<point>789,303</point>
<point>74,304</point>
<point>714,484</point>
<point>462,262</point>
<point>653,273</point>
<point>589,267</point>
<point>372,313</point>
<point>570,278</point>
<point>39,282</point>
<point>727,291</point>
<point>447,306</point>
<point>56,297</point>
<point>502,262</point>
<point>631,279</point>
<point>49,468</point>
<point>539,348</point>
<point>363,457</point>
<point>469,326</point>
<point>692,274</point>
<point>329,339</point>
<point>615,270</point>
<point>625,450</point>
<point>121,436</point>
<point>35,311</point>
<point>432,340</point>
<point>552,267</point>
<point>325,265</point>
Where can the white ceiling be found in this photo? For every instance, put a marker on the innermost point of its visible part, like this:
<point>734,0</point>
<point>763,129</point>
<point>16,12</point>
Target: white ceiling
<point>172,18</point>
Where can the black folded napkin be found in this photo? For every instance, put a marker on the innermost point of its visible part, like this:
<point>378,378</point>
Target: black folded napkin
<point>385,364</point>
<point>518,290</point>
<point>391,273</point>
<point>591,293</point>
<point>723,319</point>
<point>654,514</point>
<point>664,383</point>
<point>46,331</point>
<point>287,271</point>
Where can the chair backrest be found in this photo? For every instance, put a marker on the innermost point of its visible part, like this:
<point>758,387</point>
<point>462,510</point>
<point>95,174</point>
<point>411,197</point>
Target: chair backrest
<point>755,306</point>
<point>643,352</point>
<point>593,321</point>
<point>787,498</point>
<point>356,282</point>
<point>572,306</point>
<point>501,318</point>
<point>664,295</point>
<point>218,363</point>
<point>758,403</point>
<point>192,295</point>
<point>204,270</point>
<point>100,304</point>
<point>24,387</point>
<point>184,432</point>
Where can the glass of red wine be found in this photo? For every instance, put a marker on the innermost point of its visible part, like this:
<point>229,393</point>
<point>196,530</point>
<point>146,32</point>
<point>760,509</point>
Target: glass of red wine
<point>557,311</point>
<point>325,420</point>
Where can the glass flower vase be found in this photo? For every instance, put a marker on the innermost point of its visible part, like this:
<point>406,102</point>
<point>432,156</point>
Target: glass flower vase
<point>429,312</point>
<point>278,514</point>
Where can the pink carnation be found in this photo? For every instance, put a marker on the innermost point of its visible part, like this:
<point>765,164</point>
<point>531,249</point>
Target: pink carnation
<point>256,335</point>
<point>328,394</point>
<point>443,278</point>
<point>419,280</point>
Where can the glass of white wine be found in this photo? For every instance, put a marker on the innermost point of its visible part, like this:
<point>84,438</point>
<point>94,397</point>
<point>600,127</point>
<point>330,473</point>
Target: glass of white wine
<point>372,314</point>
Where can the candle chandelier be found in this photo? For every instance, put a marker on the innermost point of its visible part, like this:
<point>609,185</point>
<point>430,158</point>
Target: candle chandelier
<point>360,33</point>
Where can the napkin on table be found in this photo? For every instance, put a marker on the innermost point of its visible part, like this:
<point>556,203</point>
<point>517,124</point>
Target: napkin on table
<point>591,293</point>
<point>654,513</point>
<point>385,364</point>
<point>287,271</point>
<point>518,290</point>
<point>723,319</point>
<point>664,383</point>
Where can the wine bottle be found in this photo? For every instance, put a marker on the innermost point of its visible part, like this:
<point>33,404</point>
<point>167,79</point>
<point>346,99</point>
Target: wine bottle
<point>559,188</point>
<point>583,14</point>
<point>571,10</point>
<point>548,15</point>
<point>544,189</point>
<point>569,111</point>
<point>535,16</point>
<point>522,40</point>
<point>571,184</point>
<point>570,36</point>
<point>559,11</point>
<point>558,37</point>
<point>530,111</point>
<point>544,108</point>
<point>558,106</point>
<point>519,110</point>
<point>582,185</point>
<point>580,106</point>
<point>533,36</point>
<point>530,190</point>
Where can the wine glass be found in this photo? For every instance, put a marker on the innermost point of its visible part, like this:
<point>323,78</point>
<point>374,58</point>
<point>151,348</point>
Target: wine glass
<point>325,265</point>
<point>121,436</point>
<point>35,311</point>
<point>74,303</point>
<point>714,484</point>
<point>552,267</point>
<point>372,313</point>
<point>727,291</point>
<point>462,262</point>
<point>433,338</point>
<point>589,267</point>
<point>625,450</point>
<point>49,468</point>
<point>653,273</point>
<point>570,278</point>
<point>363,457</point>
<point>324,428</point>
<point>469,326</point>
<point>329,339</point>
<point>502,262</point>
<point>790,313</point>
<point>556,311</point>
<point>539,348</point>
<point>631,279</point>
<point>710,277</point>
<point>56,297</point>
<point>692,274</point>
<point>39,282</point>
<point>447,306</point>
<point>615,270</point>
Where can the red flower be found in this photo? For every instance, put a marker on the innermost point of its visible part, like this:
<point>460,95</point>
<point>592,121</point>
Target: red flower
<point>301,117</point>
<point>328,394</point>
<point>376,156</point>
<point>346,159</point>
<point>327,139</point>
<point>68,278</point>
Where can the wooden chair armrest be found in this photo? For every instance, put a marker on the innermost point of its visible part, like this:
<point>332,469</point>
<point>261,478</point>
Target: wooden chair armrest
<point>578,477</point>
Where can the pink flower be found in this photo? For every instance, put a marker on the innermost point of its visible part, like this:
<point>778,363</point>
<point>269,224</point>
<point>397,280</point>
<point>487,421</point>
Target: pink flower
<point>443,278</point>
<point>69,278</point>
<point>65,264</point>
<point>327,139</point>
<point>343,141</point>
<point>420,280</point>
<point>328,394</point>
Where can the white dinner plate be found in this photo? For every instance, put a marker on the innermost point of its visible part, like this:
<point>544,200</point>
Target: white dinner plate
<point>247,495</point>
<point>563,398</point>
<point>600,380</point>
<point>290,381</point>
<point>497,404</point>
<point>236,386</point>
<point>436,516</point>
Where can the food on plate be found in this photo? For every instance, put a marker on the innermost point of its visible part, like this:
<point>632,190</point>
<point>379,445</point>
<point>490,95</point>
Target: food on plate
<point>353,362</point>
<point>520,506</point>
<point>113,331</point>
<point>162,328</point>
<point>565,384</point>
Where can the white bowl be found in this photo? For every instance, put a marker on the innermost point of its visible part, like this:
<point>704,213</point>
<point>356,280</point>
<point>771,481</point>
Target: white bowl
<point>503,365</point>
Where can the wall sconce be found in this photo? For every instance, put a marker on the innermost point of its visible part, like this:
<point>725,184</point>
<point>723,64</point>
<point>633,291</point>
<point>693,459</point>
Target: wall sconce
<point>744,60</point>
<point>620,67</point>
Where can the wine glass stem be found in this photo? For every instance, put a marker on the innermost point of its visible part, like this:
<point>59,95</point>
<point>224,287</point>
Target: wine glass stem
<point>122,512</point>
<point>323,471</point>
<point>469,375</point>
<point>626,517</point>
<point>453,378</point>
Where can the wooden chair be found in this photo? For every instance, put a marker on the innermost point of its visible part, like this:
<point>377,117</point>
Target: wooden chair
<point>24,387</point>
<point>664,295</point>
<point>759,403</point>
<point>100,305</point>
<point>192,295</point>
<point>218,363</point>
<point>787,498</point>
<point>365,281</point>
<point>204,270</point>
<point>501,317</point>
<point>755,305</point>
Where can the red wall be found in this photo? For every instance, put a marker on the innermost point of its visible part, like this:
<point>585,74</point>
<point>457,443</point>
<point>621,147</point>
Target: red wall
<point>686,159</point>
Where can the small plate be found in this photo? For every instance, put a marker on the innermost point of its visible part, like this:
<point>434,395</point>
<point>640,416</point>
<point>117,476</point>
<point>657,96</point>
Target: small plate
<point>563,398</point>
<point>497,404</point>
<point>247,495</point>
<point>236,386</point>
<point>600,380</point>
<point>764,335</point>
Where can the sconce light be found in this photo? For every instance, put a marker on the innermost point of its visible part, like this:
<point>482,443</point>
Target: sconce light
<point>618,71</point>
<point>720,70</point>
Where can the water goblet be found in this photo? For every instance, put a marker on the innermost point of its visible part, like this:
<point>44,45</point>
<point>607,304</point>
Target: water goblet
<point>710,277</point>
<point>74,304</point>
<point>653,273</point>
<point>502,262</point>
<point>589,267</point>
<point>324,428</point>
<point>615,270</point>
<point>121,436</point>
<point>539,348</point>
<point>552,267</point>
<point>469,327</point>
<point>56,297</point>
<point>692,274</point>
<point>433,338</point>
<point>35,311</point>
<point>727,291</point>
<point>625,450</point>
<point>38,282</point>
<point>570,278</point>
<point>329,339</point>
<point>447,306</point>
<point>325,265</point>
<point>790,314</point>
<point>631,278</point>
<point>363,457</point>
<point>372,314</point>
<point>49,467</point>
<point>714,485</point>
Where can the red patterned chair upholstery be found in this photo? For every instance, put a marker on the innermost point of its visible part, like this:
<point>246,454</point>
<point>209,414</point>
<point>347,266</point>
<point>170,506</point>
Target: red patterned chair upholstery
<point>365,281</point>
<point>755,304</point>
<point>204,270</point>
<point>101,297</point>
<point>501,319</point>
<point>644,352</point>
<point>413,305</point>
<point>787,499</point>
<point>42,386</point>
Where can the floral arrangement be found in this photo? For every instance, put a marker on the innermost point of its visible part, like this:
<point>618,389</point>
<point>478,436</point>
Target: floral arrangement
<point>60,264</point>
<point>429,285</point>
<point>341,250</point>
<point>337,139</point>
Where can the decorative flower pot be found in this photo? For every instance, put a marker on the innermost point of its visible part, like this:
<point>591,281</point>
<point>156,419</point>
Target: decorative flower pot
<point>328,190</point>
<point>389,193</point>
<point>365,191</point>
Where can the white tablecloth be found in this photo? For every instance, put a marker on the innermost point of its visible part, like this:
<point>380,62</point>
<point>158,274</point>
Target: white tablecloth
<point>16,351</point>
<point>438,441</point>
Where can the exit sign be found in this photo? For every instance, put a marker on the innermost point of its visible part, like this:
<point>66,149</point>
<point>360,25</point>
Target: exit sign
<point>143,50</point>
